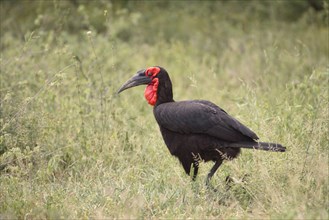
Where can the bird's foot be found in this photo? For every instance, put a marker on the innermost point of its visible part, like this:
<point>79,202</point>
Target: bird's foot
<point>212,188</point>
<point>209,186</point>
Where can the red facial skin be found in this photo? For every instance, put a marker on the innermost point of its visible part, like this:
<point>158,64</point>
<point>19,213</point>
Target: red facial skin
<point>150,93</point>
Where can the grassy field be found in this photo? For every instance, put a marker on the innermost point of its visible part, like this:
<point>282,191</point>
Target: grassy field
<point>71,148</point>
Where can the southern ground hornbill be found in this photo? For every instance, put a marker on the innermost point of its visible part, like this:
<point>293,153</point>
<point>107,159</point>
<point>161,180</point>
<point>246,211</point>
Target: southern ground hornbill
<point>195,130</point>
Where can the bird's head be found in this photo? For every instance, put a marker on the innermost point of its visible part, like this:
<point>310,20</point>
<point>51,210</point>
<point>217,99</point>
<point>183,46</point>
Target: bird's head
<point>152,77</point>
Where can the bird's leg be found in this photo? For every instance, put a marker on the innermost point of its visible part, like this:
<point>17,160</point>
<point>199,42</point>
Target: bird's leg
<point>212,171</point>
<point>195,171</point>
<point>196,160</point>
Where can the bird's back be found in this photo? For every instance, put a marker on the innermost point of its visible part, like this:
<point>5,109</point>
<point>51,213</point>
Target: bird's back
<point>201,117</point>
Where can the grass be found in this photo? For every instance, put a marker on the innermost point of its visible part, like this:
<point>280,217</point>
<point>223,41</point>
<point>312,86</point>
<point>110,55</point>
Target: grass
<point>71,148</point>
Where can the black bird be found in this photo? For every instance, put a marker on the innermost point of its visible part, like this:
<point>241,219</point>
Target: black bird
<point>195,130</point>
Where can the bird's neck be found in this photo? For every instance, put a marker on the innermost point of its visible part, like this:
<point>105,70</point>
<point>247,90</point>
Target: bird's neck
<point>164,94</point>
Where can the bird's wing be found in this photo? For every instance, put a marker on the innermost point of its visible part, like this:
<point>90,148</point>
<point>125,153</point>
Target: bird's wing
<point>201,117</point>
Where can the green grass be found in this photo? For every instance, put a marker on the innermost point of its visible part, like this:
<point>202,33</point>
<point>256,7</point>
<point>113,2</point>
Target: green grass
<point>71,148</point>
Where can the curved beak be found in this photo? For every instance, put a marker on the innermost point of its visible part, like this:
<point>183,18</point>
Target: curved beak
<point>136,80</point>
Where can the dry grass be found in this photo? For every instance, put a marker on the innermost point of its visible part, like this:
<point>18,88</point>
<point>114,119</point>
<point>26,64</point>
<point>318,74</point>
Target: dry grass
<point>70,148</point>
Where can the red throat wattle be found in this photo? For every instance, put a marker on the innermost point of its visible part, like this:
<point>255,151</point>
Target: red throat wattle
<point>150,93</point>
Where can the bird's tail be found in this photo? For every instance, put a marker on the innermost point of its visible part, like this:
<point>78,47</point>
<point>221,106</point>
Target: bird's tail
<point>259,146</point>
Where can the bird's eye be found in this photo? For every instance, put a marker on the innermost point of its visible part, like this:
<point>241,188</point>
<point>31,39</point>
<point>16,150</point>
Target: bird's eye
<point>152,71</point>
<point>148,73</point>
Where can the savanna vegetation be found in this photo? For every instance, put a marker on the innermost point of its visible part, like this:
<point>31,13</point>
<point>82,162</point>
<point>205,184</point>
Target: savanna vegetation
<point>71,148</point>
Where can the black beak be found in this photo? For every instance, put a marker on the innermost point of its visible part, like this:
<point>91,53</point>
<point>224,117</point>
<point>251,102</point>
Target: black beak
<point>136,80</point>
